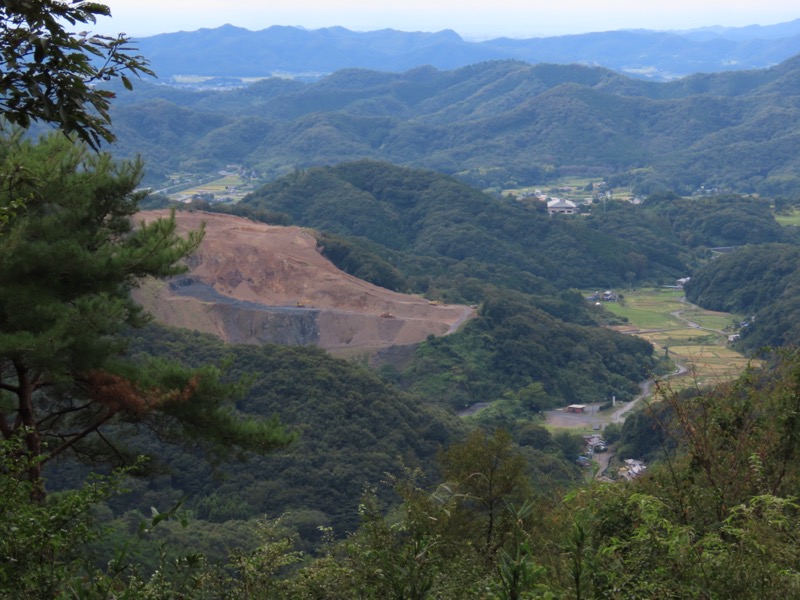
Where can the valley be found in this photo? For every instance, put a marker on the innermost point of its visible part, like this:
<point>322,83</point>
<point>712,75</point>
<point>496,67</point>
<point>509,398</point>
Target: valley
<point>695,340</point>
<point>322,336</point>
<point>692,337</point>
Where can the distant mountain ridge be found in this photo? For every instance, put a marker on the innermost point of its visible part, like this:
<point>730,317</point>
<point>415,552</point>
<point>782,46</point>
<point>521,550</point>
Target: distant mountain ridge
<point>230,51</point>
<point>493,124</point>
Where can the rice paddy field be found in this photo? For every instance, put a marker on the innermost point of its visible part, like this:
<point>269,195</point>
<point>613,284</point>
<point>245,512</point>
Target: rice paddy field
<point>230,186</point>
<point>692,337</point>
<point>577,189</point>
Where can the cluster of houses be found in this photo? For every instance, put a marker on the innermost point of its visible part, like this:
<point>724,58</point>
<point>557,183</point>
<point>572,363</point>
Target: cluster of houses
<point>600,192</point>
<point>595,443</point>
<point>735,337</point>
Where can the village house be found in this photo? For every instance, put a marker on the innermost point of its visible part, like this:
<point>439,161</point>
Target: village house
<point>609,296</point>
<point>632,469</point>
<point>559,206</point>
<point>595,443</point>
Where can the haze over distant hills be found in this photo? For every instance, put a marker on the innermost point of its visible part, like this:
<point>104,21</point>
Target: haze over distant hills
<point>230,51</point>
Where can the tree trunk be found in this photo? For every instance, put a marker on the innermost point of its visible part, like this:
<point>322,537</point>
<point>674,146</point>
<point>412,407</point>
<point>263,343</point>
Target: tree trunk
<point>26,418</point>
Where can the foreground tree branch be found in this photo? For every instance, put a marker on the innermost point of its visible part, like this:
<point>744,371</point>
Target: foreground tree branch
<point>49,73</point>
<point>67,266</point>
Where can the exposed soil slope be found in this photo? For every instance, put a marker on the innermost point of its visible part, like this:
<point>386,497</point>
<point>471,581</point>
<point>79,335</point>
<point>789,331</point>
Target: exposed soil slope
<point>255,283</point>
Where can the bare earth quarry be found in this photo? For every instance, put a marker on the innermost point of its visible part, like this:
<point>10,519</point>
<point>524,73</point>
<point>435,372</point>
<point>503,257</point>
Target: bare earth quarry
<point>254,283</point>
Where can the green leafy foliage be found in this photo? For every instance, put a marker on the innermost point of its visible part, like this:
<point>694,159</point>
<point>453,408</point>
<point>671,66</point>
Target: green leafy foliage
<point>717,221</point>
<point>512,345</point>
<point>42,546</point>
<point>717,519</point>
<point>488,472</point>
<point>362,259</point>
<point>718,515</point>
<point>353,429</point>
<point>51,74</point>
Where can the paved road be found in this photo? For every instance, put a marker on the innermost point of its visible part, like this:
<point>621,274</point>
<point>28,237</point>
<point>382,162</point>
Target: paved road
<point>587,420</point>
<point>678,314</point>
<point>618,416</point>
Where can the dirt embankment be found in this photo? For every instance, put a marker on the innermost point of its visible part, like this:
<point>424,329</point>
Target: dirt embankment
<point>255,283</point>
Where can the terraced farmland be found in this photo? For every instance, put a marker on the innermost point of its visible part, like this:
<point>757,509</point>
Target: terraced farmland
<point>692,337</point>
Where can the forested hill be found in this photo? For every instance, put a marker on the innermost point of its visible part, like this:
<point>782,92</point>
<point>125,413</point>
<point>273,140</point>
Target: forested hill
<point>353,430</point>
<point>430,224</point>
<point>495,124</point>
<point>228,51</point>
<point>425,232</point>
<point>761,282</point>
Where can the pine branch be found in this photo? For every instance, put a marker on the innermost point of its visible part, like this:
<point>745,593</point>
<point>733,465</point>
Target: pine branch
<point>79,436</point>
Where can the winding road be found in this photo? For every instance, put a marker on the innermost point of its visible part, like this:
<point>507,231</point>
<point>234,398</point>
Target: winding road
<point>678,314</point>
<point>618,416</point>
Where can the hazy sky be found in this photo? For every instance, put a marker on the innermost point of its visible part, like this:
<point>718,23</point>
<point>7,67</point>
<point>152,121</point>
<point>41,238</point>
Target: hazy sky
<point>470,18</point>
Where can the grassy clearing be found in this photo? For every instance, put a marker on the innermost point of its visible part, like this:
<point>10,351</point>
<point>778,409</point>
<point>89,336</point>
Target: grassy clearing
<point>689,335</point>
<point>650,308</point>
<point>790,220</point>
<point>709,319</point>
<point>644,318</point>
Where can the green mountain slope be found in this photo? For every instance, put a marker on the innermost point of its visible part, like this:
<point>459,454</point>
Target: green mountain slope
<point>435,235</point>
<point>492,123</point>
<point>425,215</point>
<point>353,429</point>
<point>761,282</point>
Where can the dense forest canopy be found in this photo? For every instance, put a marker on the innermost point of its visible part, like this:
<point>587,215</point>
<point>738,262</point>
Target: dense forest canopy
<point>422,215</point>
<point>354,428</point>
<point>679,231</point>
<point>720,511</point>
